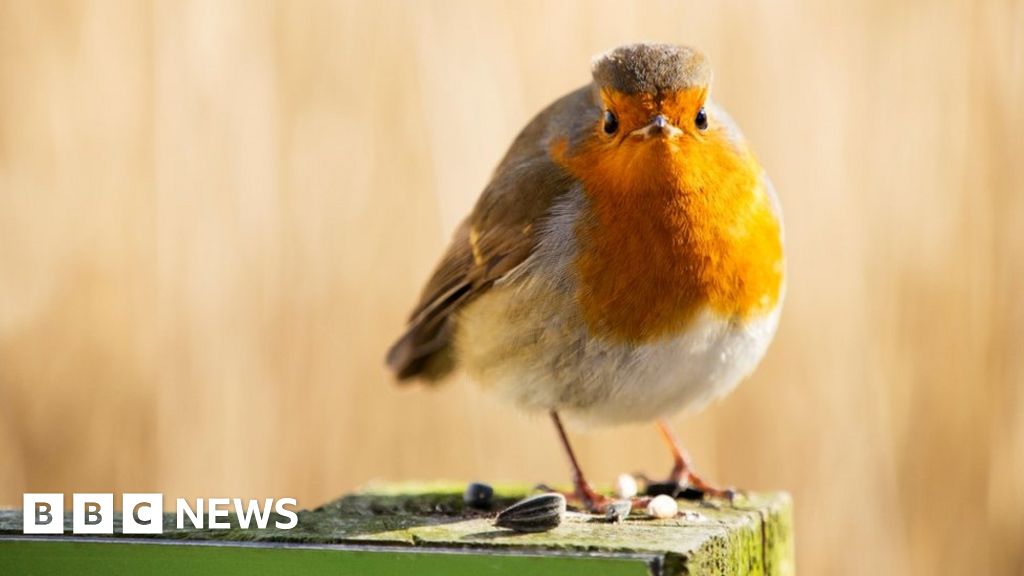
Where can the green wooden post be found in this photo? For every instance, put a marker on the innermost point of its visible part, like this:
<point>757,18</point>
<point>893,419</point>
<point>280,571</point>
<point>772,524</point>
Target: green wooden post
<point>426,529</point>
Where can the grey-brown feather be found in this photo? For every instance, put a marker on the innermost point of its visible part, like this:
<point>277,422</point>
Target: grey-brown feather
<point>501,229</point>
<point>651,68</point>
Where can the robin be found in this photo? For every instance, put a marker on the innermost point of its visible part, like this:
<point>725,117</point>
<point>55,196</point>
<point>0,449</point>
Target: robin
<point>624,263</point>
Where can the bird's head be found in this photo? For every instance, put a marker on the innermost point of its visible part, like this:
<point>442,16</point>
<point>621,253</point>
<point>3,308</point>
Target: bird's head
<point>653,120</point>
<point>651,93</point>
<point>678,216</point>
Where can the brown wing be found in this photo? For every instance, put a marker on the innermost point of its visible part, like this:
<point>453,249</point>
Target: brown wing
<point>497,236</point>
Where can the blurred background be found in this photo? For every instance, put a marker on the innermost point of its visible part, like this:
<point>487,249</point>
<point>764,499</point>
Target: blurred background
<point>215,216</point>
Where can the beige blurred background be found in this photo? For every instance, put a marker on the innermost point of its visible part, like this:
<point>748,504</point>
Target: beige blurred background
<point>214,217</point>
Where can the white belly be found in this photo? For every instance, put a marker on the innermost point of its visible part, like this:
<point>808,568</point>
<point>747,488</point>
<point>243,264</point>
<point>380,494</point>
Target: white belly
<point>534,350</point>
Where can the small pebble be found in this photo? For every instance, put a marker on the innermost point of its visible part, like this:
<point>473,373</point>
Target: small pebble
<point>692,516</point>
<point>478,495</point>
<point>535,514</point>
<point>618,511</point>
<point>662,507</point>
<point>625,486</point>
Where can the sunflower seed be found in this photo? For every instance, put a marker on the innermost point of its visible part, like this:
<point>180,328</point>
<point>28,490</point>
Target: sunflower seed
<point>668,488</point>
<point>535,514</point>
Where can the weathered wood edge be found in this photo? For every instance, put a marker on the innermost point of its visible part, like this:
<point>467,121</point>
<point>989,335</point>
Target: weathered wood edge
<point>752,536</point>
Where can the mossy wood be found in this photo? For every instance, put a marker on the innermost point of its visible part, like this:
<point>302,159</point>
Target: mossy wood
<point>426,529</point>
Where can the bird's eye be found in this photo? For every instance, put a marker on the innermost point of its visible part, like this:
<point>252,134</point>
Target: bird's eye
<point>701,120</point>
<point>611,123</point>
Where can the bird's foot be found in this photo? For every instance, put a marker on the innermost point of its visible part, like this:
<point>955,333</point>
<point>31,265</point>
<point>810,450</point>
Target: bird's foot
<point>682,481</point>
<point>593,501</point>
<point>687,485</point>
<point>589,499</point>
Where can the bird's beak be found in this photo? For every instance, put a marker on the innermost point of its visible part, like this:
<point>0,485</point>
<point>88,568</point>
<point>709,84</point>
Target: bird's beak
<point>659,127</point>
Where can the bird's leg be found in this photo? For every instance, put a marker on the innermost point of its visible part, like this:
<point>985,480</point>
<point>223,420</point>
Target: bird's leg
<point>680,457</point>
<point>682,470</point>
<point>593,501</point>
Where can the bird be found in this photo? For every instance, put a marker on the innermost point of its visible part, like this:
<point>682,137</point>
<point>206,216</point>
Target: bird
<point>625,262</point>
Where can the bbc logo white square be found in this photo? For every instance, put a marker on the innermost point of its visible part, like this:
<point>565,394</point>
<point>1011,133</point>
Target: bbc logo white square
<point>92,514</point>
<point>142,513</point>
<point>43,513</point>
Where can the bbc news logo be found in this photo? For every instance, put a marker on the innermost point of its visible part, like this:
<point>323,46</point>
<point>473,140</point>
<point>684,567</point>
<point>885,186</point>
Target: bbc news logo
<point>144,513</point>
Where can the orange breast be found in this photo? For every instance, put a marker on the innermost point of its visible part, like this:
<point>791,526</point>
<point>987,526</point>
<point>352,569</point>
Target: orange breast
<point>673,228</point>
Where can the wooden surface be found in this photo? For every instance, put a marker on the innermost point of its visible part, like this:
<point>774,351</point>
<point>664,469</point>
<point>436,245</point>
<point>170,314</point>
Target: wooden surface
<point>215,214</point>
<point>752,536</point>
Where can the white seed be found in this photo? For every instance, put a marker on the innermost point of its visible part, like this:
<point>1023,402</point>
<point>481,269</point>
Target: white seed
<point>662,506</point>
<point>625,486</point>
